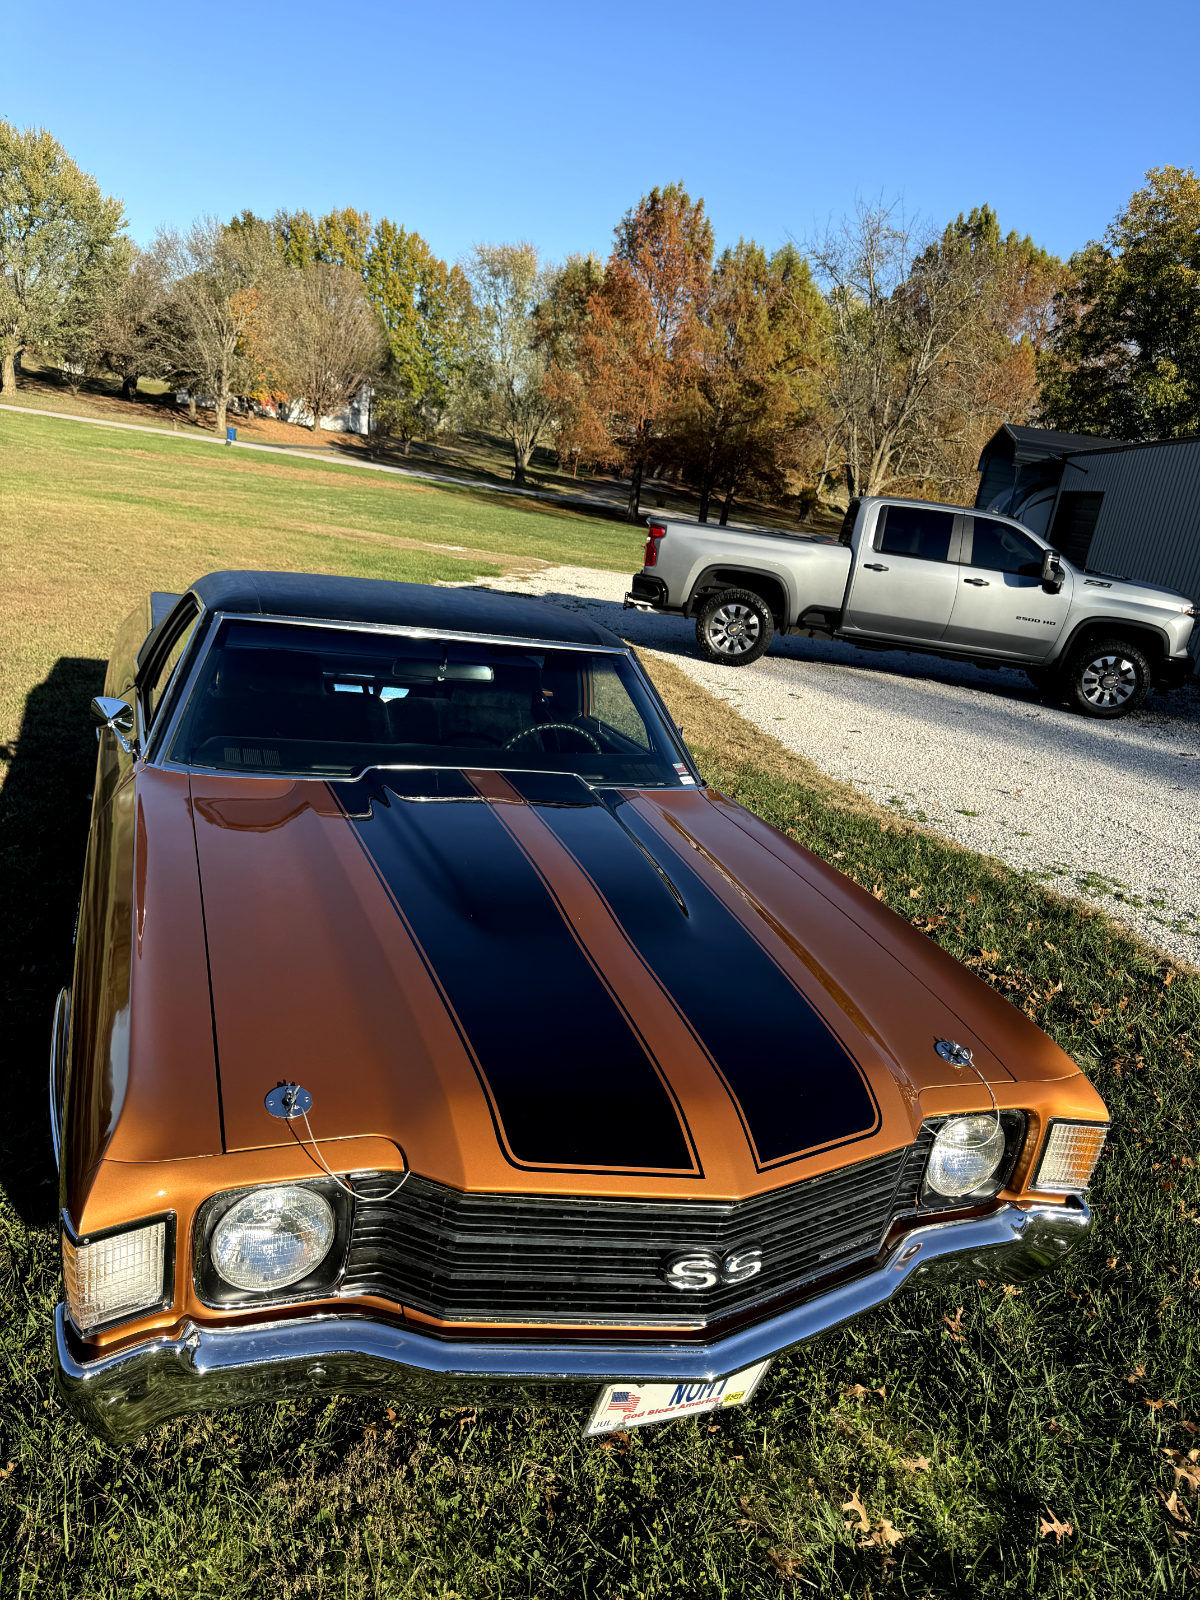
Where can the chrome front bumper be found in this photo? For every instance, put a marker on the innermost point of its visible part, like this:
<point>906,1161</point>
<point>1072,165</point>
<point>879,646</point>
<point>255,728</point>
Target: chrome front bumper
<point>122,1395</point>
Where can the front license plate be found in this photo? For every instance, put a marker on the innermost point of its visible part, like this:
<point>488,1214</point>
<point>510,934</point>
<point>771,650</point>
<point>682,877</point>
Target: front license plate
<point>636,1405</point>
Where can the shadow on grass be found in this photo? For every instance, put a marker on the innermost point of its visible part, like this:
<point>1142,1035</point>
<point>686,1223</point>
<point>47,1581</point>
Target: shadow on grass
<point>44,814</point>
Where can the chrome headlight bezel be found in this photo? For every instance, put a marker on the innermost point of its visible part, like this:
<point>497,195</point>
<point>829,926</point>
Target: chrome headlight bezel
<point>1013,1124</point>
<point>212,1290</point>
<point>163,1300</point>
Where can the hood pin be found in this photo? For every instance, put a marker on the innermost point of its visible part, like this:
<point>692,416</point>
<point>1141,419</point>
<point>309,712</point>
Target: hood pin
<point>288,1100</point>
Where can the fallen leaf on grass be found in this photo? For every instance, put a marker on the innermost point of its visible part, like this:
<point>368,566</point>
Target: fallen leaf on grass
<point>856,1508</point>
<point>1178,1513</point>
<point>7,1472</point>
<point>917,1464</point>
<point>913,893</point>
<point>1010,1289</point>
<point>1187,1473</point>
<point>1138,1372</point>
<point>787,1566</point>
<point>877,891</point>
<point>883,1534</point>
<point>857,1391</point>
<point>1051,1525</point>
<point>955,1325</point>
<point>1157,1405</point>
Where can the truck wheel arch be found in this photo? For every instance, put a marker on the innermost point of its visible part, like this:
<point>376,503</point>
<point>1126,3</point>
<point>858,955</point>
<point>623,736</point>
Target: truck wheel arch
<point>772,588</point>
<point>1149,640</point>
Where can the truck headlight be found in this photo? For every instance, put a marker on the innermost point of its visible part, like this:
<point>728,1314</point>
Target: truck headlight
<point>966,1153</point>
<point>272,1237</point>
<point>112,1276</point>
<point>1069,1157</point>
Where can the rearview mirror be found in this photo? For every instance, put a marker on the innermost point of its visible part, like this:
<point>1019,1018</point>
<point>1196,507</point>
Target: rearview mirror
<point>1053,576</point>
<point>117,715</point>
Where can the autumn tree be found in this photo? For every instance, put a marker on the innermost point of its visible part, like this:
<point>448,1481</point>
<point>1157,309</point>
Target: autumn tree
<point>222,287</point>
<point>327,340</point>
<point>1125,357</point>
<point>561,319</point>
<point>738,421</point>
<point>125,336</point>
<point>914,342</point>
<point>635,353</point>
<point>509,365</point>
<point>57,231</point>
<point>423,304</point>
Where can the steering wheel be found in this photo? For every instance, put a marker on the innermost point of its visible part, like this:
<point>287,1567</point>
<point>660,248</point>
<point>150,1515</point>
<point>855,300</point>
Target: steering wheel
<point>468,740</point>
<point>560,727</point>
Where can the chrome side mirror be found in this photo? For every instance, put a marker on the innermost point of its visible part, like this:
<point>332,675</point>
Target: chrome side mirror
<point>1053,576</point>
<point>117,715</point>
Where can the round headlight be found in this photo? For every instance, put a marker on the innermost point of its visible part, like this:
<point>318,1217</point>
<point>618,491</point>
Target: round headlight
<point>965,1154</point>
<point>272,1237</point>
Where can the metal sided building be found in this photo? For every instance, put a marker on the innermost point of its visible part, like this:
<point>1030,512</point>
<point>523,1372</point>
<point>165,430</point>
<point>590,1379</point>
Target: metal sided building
<point>1108,505</point>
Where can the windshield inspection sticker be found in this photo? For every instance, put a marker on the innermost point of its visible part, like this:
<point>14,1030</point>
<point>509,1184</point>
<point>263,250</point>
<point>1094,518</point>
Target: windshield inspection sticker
<point>684,775</point>
<point>635,1405</point>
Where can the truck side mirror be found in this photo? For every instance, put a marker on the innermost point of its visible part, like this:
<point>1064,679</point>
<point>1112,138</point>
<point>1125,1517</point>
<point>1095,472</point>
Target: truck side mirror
<point>1053,576</point>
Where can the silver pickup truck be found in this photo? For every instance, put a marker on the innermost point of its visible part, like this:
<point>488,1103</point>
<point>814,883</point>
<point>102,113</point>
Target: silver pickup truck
<point>916,575</point>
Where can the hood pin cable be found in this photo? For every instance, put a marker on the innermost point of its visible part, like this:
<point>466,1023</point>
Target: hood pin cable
<point>289,1101</point>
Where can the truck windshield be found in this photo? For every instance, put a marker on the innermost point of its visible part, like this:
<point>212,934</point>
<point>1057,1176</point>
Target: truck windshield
<point>330,702</point>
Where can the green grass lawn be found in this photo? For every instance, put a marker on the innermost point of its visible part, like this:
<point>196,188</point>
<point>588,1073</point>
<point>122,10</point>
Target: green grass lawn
<point>960,1419</point>
<point>94,517</point>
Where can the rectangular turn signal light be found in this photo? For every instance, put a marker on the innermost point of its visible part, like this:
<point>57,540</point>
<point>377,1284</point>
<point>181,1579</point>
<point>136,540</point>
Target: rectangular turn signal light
<point>1070,1155</point>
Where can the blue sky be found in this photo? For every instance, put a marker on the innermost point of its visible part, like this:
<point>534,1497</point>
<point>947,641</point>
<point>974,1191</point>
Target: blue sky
<point>489,122</point>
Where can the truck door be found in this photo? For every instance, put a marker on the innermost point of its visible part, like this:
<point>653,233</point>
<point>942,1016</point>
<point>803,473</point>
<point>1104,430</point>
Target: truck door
<point>904,583</point>
<point>1001,606</point>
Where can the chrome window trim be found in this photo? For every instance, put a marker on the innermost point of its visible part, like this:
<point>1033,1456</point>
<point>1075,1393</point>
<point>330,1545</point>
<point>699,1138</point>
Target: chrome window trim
<point>165,735</point>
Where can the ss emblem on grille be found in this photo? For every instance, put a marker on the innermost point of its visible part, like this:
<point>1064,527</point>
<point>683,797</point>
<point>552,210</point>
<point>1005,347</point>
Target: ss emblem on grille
<point>704,1269</point>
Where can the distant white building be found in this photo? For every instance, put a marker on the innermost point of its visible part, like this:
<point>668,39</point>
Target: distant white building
<point>354,418</point>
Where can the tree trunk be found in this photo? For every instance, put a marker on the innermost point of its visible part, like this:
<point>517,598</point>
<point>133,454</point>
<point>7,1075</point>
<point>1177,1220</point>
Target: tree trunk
<point>725,508</point>
<point>129,387</point>
<point>520,461</point>
<point>8,382</point>
<point>635,490</point>
<point>221,402</point>
<point>191,405</point>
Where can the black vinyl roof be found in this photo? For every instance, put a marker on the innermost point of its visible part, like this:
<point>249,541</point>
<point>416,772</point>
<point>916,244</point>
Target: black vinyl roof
<point>1034,444</point>
<point>415,605</point>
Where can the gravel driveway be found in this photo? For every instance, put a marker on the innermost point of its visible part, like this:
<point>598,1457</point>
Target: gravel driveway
<point>1107,810</point>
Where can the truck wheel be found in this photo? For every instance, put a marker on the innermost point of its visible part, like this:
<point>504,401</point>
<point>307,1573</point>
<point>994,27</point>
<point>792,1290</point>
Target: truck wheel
<point>734,627</point>
<point>1108,679</point>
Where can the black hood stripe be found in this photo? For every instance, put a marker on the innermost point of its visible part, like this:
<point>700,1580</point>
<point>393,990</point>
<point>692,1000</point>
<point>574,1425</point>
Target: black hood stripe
<point>796,1087</point>
<point>570,1081</point>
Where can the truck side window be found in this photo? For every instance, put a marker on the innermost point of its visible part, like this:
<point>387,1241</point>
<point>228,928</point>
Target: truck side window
<point>1000,548</point>
<point>914,531</point>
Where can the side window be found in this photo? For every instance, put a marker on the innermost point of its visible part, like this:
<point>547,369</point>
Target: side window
<point>914,531</point>
<point>999,548</point>
<point>156,688</point>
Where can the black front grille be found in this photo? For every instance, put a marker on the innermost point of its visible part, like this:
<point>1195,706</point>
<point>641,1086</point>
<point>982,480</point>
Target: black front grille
<point>506,1258</point>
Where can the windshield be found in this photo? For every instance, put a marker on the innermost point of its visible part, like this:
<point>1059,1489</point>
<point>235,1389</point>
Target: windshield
<point>329,703</point>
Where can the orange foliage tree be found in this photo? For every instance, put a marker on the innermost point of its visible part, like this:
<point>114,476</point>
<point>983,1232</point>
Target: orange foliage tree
<point>634,349</point>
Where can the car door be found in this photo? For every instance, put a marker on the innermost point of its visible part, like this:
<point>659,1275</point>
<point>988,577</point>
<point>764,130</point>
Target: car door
<point>1001,606</point>
<point>904,581</point>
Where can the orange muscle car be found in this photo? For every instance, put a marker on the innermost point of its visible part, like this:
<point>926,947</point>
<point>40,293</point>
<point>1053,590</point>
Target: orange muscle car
<point>434,1029</point>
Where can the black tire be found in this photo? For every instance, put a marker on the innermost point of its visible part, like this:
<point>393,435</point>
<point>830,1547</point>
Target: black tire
<point>734,627</point>
<point>1107,679</point>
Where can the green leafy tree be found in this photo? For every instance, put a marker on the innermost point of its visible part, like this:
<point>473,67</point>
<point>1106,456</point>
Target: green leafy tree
<point>1125,358</point>
<point>509,365</point>
<point>56,233</point>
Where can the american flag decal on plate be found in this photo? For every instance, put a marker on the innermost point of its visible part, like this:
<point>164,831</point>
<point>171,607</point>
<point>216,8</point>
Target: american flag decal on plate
<point>636,1405</point>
